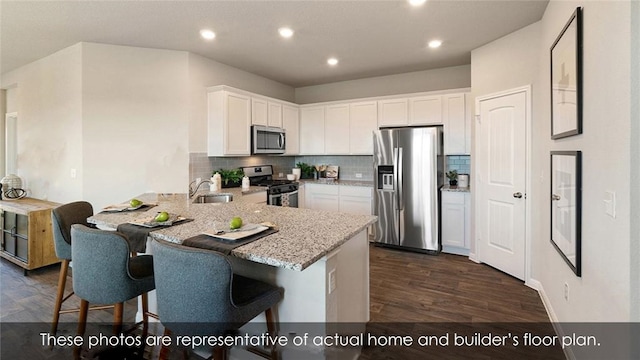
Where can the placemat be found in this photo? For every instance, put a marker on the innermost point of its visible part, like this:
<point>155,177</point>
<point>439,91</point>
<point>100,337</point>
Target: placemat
<point>137,235</point>
<point>224,246</point>
<point>144,207</point>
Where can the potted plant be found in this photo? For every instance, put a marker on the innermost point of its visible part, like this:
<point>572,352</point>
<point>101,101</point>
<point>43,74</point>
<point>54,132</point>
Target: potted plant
<point>231,178</point>
<point>306,170</point>
<point>453,177</point>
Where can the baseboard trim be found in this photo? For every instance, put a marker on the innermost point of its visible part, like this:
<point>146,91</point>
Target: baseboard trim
<point>537,285</point>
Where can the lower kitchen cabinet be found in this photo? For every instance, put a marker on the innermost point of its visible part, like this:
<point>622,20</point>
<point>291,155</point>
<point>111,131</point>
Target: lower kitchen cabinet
<point>456,222</point>
<point>342,198</point>
<point>259,197</point>
<point>27,236</point>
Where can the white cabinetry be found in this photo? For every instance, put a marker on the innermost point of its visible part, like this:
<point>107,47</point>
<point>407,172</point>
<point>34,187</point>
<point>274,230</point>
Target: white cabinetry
<point>322,197</point>
<point>456,211</point>
<point>259,112</point>
<point>343,198</point>
<point>425,110</point>
<point>392,112</point>
<point>336,129</point>
<point>362,122</point>
<point>457,124</point>
<point>275,114</point>
<point>291,125</point>
<point>355,200</point>
<point>302,199</point>
<point>312,130</point>
<point>229,120</point>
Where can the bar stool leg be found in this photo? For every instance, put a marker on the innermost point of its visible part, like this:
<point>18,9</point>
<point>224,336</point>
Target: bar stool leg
<point>272,327</point>
<point>118,312</point>
<point>145,315</point>
<point>82,325</point>
<point>62,282</point>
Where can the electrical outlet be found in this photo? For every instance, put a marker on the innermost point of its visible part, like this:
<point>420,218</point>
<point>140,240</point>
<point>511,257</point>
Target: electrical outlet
<point>566,291</point>
<point>73,173</point>
<point>332,280</point>
<point>358,176</point>
<point>281,175</point>
<point>610,203</point>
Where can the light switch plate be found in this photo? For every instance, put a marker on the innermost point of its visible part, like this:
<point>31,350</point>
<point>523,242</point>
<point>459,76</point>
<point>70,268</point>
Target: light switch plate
<point>610,203</point>
<point>332,280</point>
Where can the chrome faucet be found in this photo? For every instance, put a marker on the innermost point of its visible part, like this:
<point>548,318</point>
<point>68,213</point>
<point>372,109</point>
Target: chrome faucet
<point>194,191</point>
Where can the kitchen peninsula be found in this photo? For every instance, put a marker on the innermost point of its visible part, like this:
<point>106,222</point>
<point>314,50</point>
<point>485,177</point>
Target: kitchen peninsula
<point>320,258</point>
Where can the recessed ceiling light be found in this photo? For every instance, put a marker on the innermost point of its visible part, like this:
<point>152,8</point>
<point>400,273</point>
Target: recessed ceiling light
<point>285,32</point>
<point>332,61</point>
<point>435,44</point>
<point>207,34</point>
<point>417,2</point>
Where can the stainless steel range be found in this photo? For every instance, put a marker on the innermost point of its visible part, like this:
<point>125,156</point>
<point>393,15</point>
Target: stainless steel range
<point>279,192</point>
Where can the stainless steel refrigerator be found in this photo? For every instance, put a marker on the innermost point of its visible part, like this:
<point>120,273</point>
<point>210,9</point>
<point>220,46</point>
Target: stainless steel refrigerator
<point>408,173</point>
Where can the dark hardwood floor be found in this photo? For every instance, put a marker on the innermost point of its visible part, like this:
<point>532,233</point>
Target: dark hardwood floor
<point>411,294</point>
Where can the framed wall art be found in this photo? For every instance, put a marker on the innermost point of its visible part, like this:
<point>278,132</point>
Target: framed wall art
<point>566,206</point>
<point>566,79</point>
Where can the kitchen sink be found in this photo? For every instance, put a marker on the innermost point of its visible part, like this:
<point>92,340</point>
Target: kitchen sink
<point>213,198</point>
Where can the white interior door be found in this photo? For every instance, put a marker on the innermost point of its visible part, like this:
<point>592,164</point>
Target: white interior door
<point>500,182</point>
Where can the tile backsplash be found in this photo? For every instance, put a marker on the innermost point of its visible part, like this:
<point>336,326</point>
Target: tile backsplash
<point>202,166</point>
<point>461,163</point>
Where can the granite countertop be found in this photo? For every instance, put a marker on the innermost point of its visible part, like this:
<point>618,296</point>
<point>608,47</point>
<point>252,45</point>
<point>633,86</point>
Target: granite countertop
<point>361,183</point>
<point>304,235</point>
<point>455,189</point>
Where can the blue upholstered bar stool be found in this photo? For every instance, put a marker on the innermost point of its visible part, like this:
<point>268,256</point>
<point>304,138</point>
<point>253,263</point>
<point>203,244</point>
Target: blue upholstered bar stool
<point>62,218</point>
<point>198,294</point>
<point>104,273</point>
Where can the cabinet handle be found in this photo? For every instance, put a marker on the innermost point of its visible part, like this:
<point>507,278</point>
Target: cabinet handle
<point>517,195</point>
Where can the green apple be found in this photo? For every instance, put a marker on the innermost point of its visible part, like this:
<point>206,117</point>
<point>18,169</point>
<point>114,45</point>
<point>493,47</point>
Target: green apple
<point>162,216</point>
<point>135,203</point>
<point>235,223</point>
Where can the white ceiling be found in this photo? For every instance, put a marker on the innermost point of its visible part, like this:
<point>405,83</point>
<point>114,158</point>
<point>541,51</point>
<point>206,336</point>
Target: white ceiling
<point>370,38</point>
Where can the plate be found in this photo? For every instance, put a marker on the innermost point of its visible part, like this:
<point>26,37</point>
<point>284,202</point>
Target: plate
<point>122,207</point>
<point>237,234</point>
<point>151,221</point>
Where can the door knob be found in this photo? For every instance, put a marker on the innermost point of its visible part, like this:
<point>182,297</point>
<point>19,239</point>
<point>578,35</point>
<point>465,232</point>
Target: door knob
<point>517,195</point>
<point>555,197</point>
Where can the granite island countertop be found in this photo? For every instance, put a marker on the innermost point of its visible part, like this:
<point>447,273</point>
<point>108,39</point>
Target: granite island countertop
<point>304,235</point>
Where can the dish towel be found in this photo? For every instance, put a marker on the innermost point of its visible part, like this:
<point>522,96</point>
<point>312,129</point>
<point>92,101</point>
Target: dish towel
<point>285,200</point>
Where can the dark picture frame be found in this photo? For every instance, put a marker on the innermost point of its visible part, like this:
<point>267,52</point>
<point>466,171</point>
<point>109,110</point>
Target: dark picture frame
<point>566,207</point>
<point>566,79</point>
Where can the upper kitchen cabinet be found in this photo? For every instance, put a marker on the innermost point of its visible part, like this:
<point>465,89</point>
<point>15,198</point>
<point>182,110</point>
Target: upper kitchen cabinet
<point>312,130</point>
<point>457,124</point>
<point>291,125</point>
<point>336,129</point>
<point>393,112</point>
<point>363,121</point>
<point>425,110</point>
<point>229,119</point>
<point>259,112</point>
<point>275,114</point>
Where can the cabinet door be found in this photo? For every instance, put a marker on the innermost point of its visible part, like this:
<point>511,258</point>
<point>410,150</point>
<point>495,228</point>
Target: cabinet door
<point>455,124</point>
<point>322,197</point>
<point>238,124</point>
<point>275,114</point>
<point>454,219</point>
<point>336,129</point>
<point>312,130</point>
<point>291,125</point>
<point>363,121</point>
<point>392,112</point>
<point>425,110</point>
<point>259,112</point>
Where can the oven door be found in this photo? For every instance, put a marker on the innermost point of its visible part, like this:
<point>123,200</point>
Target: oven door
<point>277,199</point>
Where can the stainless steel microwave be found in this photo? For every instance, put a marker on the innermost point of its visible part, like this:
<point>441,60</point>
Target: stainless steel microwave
<point>267,140</point>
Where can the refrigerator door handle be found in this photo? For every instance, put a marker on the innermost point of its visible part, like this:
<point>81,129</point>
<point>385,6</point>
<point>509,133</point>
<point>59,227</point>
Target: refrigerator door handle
<point>400,181</point>
<point>395,177</point>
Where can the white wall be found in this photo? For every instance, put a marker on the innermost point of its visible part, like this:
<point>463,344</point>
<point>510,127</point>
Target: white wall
<point>603,292</point>
<point>47,96</point>
<point>634,254</point>
<point>135,122</point>
<point>429,80</point>
<point>203,73</point>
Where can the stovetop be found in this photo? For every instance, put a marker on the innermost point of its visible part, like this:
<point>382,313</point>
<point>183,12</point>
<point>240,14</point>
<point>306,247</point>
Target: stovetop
<point>271,182</point>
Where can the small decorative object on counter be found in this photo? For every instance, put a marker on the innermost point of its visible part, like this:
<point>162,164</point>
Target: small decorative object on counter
<point>463,180</point>
<point>331,172</point>
<point>231,178</point>
<point>216,182</point>
<point>297,172</point>
<point>245,183</point>
<point>453,177</point>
